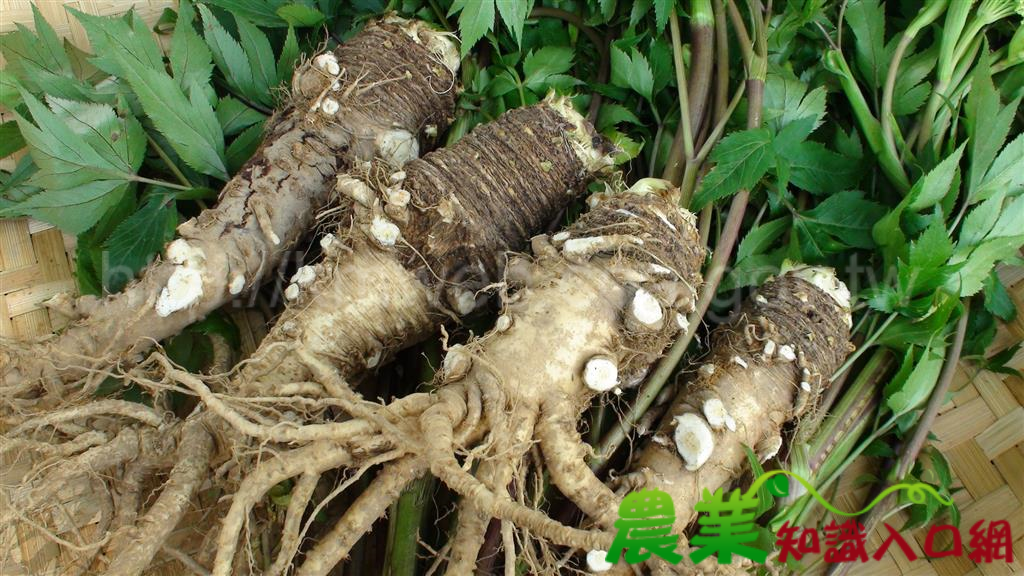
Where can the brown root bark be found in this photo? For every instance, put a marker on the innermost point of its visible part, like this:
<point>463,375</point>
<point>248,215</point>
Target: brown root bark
<point>758,383</point>
<point>422,243</point>
<point>386,84</point>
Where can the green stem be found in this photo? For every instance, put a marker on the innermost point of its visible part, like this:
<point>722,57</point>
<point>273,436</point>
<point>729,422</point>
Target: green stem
<point>702,32</point>
<point>167,160</point>
<point>864,347</point>
<point>684,133</point>
<point>171,185</point>
<point>869,125</point>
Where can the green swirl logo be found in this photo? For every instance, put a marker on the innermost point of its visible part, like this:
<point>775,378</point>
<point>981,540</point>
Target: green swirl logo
<point>917,492</point>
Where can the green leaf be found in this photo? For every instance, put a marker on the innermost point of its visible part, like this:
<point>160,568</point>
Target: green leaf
<point>262,13</point>
<point>548,61</point>
<point>866,19</point>
<point>980,220</point>
<point>300,15</point>
<point>741,160</point>
<point>987,124</point>
<point>612,114</point>
<point>632,71</point>
<point>1006,173</point>
<point>73,210</point>
<point>786,102</point>
<point>759,239</point>
<point>261,57</point>
<point>244,146</point>
<point>230,58</point>
<point>80,143</point>
<point>475,20</point>
<point>819,170</point>
<point>982,260</point>
<point>513,14</point>
<point>38,64</point>
<point>10,139</point>
<point>902,397</point>
<point>752,271</point>
<point>133,42</point>
<point>628,147</point>
<point>846,215</point>
<point>289,55</point>
<point>189,123</point>
<point>138,238</point>
<point>191,62</point>
<point>765,499</point>
<point>662,9</point>
<point>931,189</point>
<point>234,116</point>
<point>997,300</point>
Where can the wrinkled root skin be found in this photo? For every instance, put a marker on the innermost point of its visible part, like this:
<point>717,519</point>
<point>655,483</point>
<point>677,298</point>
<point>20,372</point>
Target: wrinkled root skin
<point>461,208</point>
<point>387,81</point>
<point>760,397</point>
<point>523,382</point>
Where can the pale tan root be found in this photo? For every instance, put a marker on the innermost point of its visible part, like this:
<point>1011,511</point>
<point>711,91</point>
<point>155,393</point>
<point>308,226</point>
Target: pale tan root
<point>511,441</point>
<point>371,504</point>
<point>314,458</point>
<point>565,456</point>
<point>299,500</point>
<point>128,410</point>
<point>194,451</point>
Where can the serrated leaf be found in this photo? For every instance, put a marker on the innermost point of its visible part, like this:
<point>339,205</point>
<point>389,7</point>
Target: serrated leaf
<point>289,55</point>
<point>752,271</point>
<point>819,170</point>
<point>760,238</point>
<point>300,15</point>
<point>234,116</point>
<point>997,299</point>
<point>982,260</point>
<point>475,19</point>
<point>244,146</point>
<point>933,187</point>
<point>987,124</point>
<point>659,54</point>
<point>866,19</point>
<point>980,220</point>
<point>612,114</point>
<point>73,210</point>
<point>138,238</point>
<point>230,58</point>
<point>513,14</point>
<point>191,61</point>
<point>902,397</point>
<point>133,41</point>
<point>38,64</point>
<point>632,71</point>
<point>188,123</point>
<point>80,144</point>
<point>741,160</point>
<point>846,215</point>
<point>1006,173</point>
<point>637,12</point>
<point>262,13</point>
<point>541,64</point>
<point>10,139</point>
<point>261,57</point>
<point>911,100</point>
<point>786,101</point>
<point>662,10</point>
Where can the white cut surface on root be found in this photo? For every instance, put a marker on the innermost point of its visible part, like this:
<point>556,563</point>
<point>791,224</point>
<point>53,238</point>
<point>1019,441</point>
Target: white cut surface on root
<point>694,440</point>
<point>184,288</point>
<point>601,374</point>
